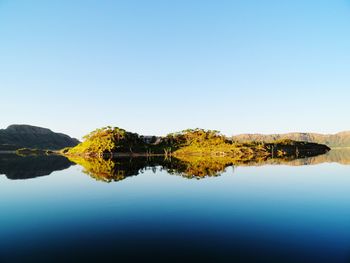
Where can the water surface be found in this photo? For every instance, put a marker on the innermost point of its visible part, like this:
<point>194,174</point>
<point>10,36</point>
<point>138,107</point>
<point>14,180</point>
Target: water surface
<point>53,210</point>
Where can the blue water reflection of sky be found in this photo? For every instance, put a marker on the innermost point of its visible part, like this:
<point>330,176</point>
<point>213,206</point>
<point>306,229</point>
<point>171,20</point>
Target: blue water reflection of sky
<point>303,208</point>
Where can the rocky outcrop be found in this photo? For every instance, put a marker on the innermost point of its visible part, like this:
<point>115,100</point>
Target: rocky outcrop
<point>27,136</point>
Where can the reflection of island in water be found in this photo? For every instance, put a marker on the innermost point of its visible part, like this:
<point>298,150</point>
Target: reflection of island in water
<point>19,167</point>
<point>120,168</point>
<point>192,167</point>
<point>336,155</point>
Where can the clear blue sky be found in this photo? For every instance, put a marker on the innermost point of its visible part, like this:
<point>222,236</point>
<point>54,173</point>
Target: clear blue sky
<point>154,67</point>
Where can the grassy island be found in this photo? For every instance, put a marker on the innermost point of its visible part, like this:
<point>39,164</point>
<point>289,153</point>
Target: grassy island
<point>113,142</point>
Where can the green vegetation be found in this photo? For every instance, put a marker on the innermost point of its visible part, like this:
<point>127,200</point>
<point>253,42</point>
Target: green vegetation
<point>108,140</point>
<point>113,141</point>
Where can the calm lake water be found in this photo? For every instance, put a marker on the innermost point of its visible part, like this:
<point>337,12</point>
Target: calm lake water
<point>292,211</point>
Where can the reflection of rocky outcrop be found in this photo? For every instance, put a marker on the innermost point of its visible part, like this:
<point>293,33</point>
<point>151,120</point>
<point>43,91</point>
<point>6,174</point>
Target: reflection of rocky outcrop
<point>17,167</point>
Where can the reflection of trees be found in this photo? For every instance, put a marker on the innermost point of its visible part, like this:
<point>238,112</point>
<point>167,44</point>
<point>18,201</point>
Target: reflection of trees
<point>109,170</point>
<point>338,155</point>
<point>198,166</point>
<point>18,167</point>
<point>188,166</point>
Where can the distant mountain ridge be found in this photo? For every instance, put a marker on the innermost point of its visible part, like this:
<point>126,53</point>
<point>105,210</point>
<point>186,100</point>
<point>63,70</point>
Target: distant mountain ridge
<point>341,139</point>
<point>26,136</point>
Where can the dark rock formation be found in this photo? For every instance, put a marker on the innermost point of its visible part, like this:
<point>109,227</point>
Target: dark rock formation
<point>26,136</point>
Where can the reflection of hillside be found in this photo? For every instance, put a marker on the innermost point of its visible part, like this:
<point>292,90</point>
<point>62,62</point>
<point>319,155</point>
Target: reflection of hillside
<point>196,167</point>
<point>338,155</point>
<point>114,169</point>
<point>120,168</point>
<point>193,167</point>
<point>17,167</point>
<point>199,167</point>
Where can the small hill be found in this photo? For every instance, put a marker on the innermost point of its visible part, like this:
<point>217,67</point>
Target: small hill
<point>26,136</point>
<point>109,140</point>
<point>112,141</point>
<point>341,139</point>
